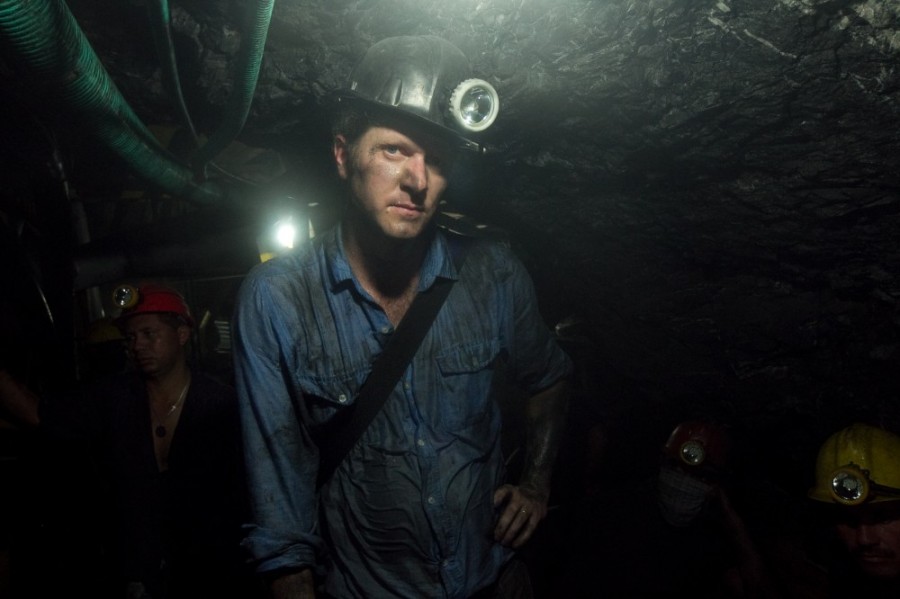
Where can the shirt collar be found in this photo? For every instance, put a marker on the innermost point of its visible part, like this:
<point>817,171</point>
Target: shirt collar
<point>339,267</point>
<point>438,260</point>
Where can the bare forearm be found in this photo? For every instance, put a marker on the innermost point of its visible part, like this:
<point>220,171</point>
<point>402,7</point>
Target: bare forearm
<point>525,504</point>
<point>545,415</point>
<point>18,401</point>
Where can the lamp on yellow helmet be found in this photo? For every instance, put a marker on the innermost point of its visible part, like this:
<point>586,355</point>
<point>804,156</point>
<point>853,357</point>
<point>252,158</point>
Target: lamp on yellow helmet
<point>856,465</point>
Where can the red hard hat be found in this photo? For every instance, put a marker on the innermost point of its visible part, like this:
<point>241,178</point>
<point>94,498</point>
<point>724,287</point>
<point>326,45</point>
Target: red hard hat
<point>698,444</point>
<point>150,299</point>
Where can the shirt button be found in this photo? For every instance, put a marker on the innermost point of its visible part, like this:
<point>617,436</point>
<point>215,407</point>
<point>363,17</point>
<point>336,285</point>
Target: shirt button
<point>445,563</point>
<point>342,398</point>
<point>385,330</point>
<point>421,442</point>
<point>431,500</point>
<point>406,386</point>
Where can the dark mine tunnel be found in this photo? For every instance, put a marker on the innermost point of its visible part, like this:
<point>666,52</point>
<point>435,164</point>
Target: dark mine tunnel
<point>705,194</point>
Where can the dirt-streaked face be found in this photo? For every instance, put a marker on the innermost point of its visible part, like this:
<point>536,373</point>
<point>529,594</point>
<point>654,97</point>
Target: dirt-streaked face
<point>396,182</point>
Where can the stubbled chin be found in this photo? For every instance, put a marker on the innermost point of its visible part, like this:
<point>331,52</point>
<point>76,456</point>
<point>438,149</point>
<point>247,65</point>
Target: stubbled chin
<point>405,226</point>
<point>883,570</point>
<point>406,232</point>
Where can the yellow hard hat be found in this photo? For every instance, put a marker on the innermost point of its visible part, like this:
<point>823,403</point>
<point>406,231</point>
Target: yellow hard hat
<point>858,464</point>
<point>102,330</point>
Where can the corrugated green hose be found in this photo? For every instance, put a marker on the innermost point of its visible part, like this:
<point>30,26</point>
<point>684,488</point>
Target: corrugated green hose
<point>44,43</point>
<point>247,73</point>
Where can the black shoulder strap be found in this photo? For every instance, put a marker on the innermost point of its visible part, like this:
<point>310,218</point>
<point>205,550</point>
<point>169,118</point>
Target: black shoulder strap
<point>388,367</point>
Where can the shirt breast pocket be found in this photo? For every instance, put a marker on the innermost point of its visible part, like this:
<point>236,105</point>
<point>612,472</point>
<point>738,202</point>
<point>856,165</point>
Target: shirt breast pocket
<point>464,385</point>
<point>326,396</point>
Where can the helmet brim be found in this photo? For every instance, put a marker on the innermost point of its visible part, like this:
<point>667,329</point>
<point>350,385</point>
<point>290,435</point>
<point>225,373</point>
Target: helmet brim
<point>403,119</point>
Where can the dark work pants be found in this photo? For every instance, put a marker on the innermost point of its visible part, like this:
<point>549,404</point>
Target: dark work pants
<point>514,582</point>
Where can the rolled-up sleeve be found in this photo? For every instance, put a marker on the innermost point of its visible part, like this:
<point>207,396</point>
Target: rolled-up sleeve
<point>536,358</point>
<point>281,460</point>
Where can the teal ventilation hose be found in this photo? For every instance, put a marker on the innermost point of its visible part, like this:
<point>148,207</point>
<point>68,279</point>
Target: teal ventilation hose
<point>252,49</point>
<point>44,44</point>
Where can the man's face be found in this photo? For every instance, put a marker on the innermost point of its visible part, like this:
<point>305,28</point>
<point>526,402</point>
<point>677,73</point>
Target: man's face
<point>396,181</point>
<point>871,533</point>
<point>155,346</point>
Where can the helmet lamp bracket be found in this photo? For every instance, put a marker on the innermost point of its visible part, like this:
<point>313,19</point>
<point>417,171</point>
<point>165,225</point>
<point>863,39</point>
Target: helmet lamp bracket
<point>852,485</point>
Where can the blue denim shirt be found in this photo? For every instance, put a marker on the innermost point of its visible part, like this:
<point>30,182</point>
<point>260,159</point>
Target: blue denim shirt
<point>409,512</point>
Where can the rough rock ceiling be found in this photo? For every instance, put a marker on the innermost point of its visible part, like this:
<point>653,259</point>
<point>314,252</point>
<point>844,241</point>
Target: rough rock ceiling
<point>710,188</point>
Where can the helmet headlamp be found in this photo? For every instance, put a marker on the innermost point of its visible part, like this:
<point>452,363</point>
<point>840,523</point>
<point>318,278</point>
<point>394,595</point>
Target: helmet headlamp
<point>851,485</point>
<point>700,446</point>
<point>429,79</point>
<point>692,453</point>
<point>474,105</point>
<point>150,299</point>
<point>125,296</point>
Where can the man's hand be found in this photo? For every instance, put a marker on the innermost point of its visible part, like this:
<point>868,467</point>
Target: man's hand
<point>525,504</point>
<point>523,510</point>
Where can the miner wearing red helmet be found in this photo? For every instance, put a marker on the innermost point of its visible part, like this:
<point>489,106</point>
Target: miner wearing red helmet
<point>151,298</point>
<point>695,458</point>
<point>672,532</point>
<point>157,322</point>
<point>166,438</point>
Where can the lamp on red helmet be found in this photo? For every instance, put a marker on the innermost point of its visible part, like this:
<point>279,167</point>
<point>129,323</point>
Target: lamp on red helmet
<point>150,299</point>
<point>700,445</point>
